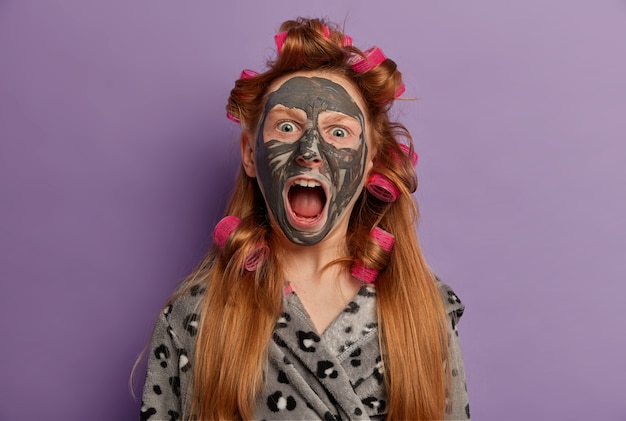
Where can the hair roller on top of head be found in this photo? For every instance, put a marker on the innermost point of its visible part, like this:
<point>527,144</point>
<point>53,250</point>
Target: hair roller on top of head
<point>308,51</point>
<point>373,57</point>
<point>280,38</point>
<point>223,231</point>
<point>245,74</point>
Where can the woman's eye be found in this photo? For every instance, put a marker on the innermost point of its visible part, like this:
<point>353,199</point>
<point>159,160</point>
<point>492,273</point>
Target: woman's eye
<point>287,127</point>
<point>339,132</point>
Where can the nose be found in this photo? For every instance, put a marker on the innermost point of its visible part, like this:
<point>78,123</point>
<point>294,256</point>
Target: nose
<point>308,150</point>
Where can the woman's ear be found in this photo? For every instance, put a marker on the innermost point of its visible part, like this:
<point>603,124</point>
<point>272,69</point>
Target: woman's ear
<point>247,154</point>
<point>370,158</point>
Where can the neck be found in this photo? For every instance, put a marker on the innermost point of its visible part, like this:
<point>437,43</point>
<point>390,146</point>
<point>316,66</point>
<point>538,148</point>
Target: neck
<point>323,288</point>
<point>312,262</point>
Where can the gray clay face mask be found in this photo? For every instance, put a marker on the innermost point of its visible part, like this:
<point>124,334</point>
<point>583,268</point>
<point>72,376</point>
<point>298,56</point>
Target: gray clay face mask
<point>310,156</point>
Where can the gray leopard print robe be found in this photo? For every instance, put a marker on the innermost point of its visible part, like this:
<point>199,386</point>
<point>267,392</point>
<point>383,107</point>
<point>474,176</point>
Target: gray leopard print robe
<point>337,375</point>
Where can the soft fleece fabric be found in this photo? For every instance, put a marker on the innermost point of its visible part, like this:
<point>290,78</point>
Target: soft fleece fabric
<point>337,375</point>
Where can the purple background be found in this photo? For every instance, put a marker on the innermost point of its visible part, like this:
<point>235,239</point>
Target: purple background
<point>116,161</point>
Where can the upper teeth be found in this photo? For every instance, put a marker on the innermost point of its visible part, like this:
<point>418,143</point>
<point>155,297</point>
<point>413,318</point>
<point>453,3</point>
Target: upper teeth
<point>307,183</point>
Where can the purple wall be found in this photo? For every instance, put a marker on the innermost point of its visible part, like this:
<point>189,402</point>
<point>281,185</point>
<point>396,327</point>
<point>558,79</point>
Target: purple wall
<point>116,161</point>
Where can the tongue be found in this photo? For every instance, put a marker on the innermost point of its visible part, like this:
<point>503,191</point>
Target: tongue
<point>306,202</point>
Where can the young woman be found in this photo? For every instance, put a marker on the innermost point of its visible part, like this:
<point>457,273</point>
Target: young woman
<point>315,301</point>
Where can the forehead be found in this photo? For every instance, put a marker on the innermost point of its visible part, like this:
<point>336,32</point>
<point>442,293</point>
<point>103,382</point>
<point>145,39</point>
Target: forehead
<point>316,91</point>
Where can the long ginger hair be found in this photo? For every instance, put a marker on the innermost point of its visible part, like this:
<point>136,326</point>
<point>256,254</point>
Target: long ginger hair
<point>240,308</point>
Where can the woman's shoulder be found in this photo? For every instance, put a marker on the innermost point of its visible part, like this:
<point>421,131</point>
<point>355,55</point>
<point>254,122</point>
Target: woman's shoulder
<point>186,298</point>
<point>454,305</point>
<point>171,352</point>
<point>182,312</point>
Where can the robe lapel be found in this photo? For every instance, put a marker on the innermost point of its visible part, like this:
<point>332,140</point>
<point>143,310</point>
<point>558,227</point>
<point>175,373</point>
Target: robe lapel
<point>313,369</point>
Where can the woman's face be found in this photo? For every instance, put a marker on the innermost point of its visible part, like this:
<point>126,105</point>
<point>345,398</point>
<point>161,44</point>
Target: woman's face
<point>310,154</point>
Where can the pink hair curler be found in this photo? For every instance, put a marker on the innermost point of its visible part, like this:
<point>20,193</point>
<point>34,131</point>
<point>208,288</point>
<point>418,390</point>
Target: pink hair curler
<point>364,273</point>
<point>256,257</point>
<point>401,89</point>
<point>386,241</point>
<point>222,232</point>
<point>373,57</point>
<point>232,118</point>
<point>248,74</point>
<point>326,31</point>
<point>279,39</point>
<point>224,229</point>
<point>406,149</point>
<point>245,74</point>
<point>383,238</point>
<point>382,188</point>
<point>347,41</point>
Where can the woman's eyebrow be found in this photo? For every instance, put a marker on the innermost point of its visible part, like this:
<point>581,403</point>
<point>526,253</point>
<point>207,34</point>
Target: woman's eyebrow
<point>292,112</point>
<point>337,117</point>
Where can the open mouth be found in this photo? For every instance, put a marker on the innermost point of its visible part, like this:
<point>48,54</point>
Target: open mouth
<point>307,201</point>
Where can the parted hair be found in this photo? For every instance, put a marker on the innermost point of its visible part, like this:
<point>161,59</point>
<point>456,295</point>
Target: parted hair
<point>240,308</point>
